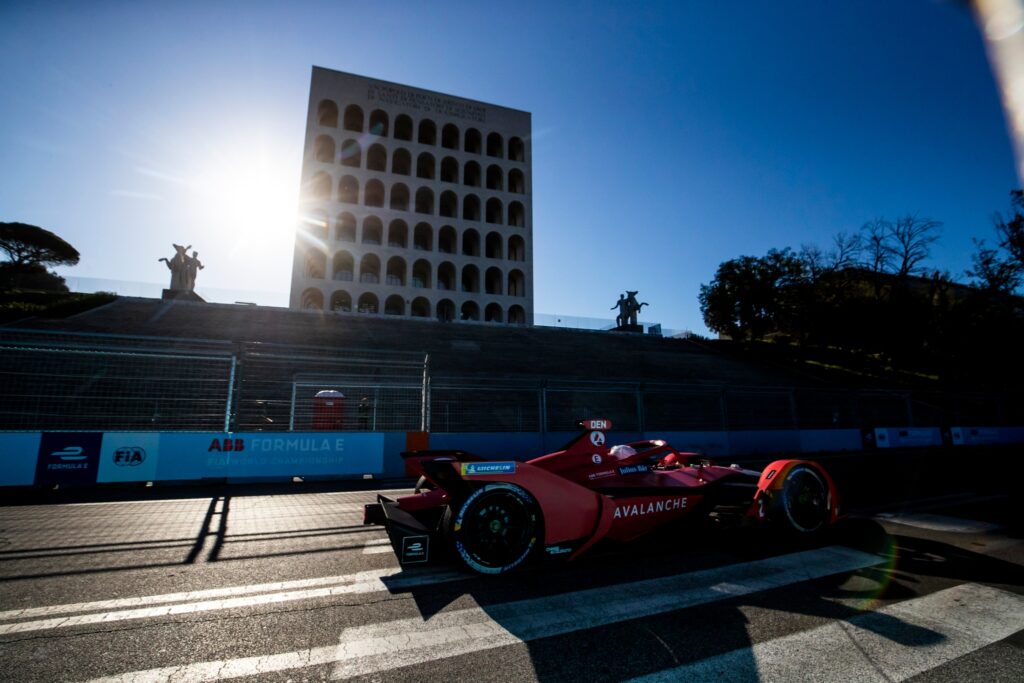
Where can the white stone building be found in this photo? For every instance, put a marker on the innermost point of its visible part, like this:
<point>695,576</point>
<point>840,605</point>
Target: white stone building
<point>414,203</point>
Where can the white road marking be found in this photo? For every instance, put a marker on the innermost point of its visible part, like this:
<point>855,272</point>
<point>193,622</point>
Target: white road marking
<point>385,646</point>
<point>376,580</point>
<point>377,546</point>
<point>894,643</point>
<point>938,522</point>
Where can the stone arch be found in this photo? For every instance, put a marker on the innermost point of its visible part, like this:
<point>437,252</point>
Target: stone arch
<point>516,214</point>
<point>421,273</point>
<point>394,305</point>
<point>424,201</point>
<point>343,267</point>
<point>315,223</point>
<point>492,245</point>
<point>493,313</point>
<point>446,276</point>
<point>470,311</point>
<point>341,301</point>
<point>353,119</point>
<point>516,181</point>
<point>345,227</point>
<point>368,303</point>
<point>471,207</point>
<point>425,164</point>
<point>449,170</point>
<point>495,179</point>
<point>314,266</point>
<point>377,158</point>
<point>428,132</point>
<point>399,197</point>
<point>471,243</point>
<point>327,113</point>
<point>446,310</point>
<point>348,190</point>
<point>423,237</point>
<point>471,174</point>
<point>495,145</point>
<point>373,229</point>
<point>351,153</point>
<point>401,162</point>
<point>448,207</point>
<point>312,300</point>
<point>379,123</point>
<point>516,283</point>
<point>472,141</point>
<point>450,136</point>
<point>374,193</point>
<point>398,234</point>
<point>493,281</point>
<point>323,149</point>
<point>516,248</point>
<point>447,239</point>
<point>369,269</point>
<point>395,273</point>
<point>403,128</point>
<point>420,307</point>
<point>516,149</point>
<point>495,210</point>
<point>470,278</point>
<point>320,186</point>
<point>516,315</point>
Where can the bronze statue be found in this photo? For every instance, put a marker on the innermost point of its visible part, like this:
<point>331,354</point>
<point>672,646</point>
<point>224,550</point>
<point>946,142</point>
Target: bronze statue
<point>628,308</point>
<point>633,306</point>
<point>623,305</point>
<point>178,265</point>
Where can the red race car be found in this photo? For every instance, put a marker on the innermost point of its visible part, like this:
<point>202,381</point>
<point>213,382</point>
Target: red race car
<point>497,514</point>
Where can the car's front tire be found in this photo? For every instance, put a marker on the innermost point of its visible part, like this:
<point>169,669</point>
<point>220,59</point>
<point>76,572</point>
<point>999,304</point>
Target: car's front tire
<point>497,528</point>
<point>802,505</point>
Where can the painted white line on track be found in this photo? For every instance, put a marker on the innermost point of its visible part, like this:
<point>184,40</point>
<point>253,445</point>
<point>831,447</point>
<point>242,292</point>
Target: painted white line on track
<point>371,581</point>
<point>386,646</point>
<point>377,546</point>
<point>894,643</point>
<point>938,522</point>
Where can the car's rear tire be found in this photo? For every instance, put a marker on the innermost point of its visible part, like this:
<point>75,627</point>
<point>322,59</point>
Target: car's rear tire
<point>497,528</point>
<point>802,505</point>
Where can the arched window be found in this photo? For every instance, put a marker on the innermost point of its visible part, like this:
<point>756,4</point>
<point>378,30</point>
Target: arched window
<point>351,154</point>
<point>379,123</point>
<point>420,308</point>
<point>421,274</point>
<point>320,186</point>
<point>471,174</point>
<point>403,128</point>
<point>315,224</point>
<point>470,279</point>
<point>368,303</point>
<point>323,149</point>
<point>315,265</point>
<point>450,136</point>
<point>348,190</point>
<point>516,215</point>
<point>401,162</point>
<point>470,311</point>
<point>495,145</point>
<point>492,281</point>
<point>425,200</point>
<point>516,150</point>
<point>495,211</point>
<point>449,170</point>
<point>345,227</point>
<point>374,195</point>
<point>446,277</point>
<point>394,305</point>
<point>428,132</point>
<point>516,283</point>
<point>327,114</point>
<point>472,141</point>
<point>399,197</point>
<point>377,158</point>
<point>425,166</point>
<point>471,208</point>
<point>344,267</point>
<point>353,118</point>
<point>516,315</point>
<point>398,234</point>
<point>312,300</point>
<point>449,204</point>
<point>369,269</point>
<point>341,302</point>
<point>471,243</point>
<point>423,237</point>
<point>396,271</point>
<point>516,181</point>
<point>446,310</point>
<point>493,314</point>
<point>446,239</point>
<point>373,228</point>
<point>494,177</point>
<point>492,245</point>
<point>516,248</point>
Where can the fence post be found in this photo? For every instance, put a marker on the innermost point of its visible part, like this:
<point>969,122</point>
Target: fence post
<point>723,409</point>
<point>794,417</point>
<point>543,411</point>
<point>640,412</point>
<point>425,396</point>
<point>231,394</point>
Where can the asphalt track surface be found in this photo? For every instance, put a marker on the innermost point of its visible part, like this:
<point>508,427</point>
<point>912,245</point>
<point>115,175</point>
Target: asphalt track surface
<point>285,584</point>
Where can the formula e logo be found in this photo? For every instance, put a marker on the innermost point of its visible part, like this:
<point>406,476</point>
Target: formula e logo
<point>596,458</point>
<point>415,549</point>
<point>69,454</point>
<point>597,438</point>
<point>129,456</point>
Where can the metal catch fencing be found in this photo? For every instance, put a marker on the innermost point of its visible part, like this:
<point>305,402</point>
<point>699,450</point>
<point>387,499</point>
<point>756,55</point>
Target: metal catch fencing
<point>77,381</point>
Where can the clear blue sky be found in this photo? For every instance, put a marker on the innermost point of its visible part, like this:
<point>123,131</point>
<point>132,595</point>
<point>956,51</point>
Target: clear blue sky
<point>668,137</point>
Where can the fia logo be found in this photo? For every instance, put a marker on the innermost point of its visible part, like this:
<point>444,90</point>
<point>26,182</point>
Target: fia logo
<point>597,438</point>
<point>129,456</point>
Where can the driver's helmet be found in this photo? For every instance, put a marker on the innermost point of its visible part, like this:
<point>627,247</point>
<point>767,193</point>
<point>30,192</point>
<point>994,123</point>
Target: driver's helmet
<point>621,452</point>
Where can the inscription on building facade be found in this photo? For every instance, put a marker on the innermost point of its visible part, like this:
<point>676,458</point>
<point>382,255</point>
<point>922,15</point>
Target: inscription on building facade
<point>425,102</point>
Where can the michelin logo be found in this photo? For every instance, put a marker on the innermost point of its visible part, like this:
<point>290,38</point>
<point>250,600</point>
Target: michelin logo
<point>470,469</point>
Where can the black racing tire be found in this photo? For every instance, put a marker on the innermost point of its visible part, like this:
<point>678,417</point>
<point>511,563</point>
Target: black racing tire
<point>497,528</point>
<point>802,506</point>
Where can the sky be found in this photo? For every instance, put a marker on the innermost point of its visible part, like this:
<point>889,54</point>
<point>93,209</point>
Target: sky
<point>667,136</point>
